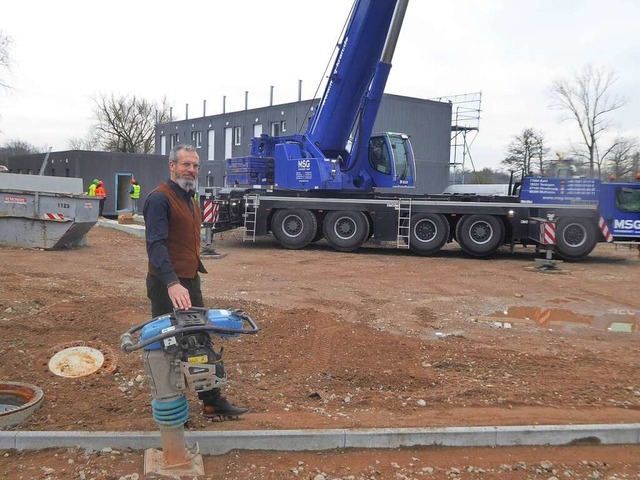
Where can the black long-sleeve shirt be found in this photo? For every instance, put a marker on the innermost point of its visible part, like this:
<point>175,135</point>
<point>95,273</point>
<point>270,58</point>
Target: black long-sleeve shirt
<point>157,212</point>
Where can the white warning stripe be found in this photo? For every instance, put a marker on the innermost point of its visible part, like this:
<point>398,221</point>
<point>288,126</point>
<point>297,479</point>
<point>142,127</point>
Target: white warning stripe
<point>211,211</point>
<point>548,233</point>
<point>605,230</point>
<point>208,211</point>
<point>54,216</point>
<point>216,212</point>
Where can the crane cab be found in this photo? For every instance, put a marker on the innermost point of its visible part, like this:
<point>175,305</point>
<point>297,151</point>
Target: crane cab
<point>390,160</point>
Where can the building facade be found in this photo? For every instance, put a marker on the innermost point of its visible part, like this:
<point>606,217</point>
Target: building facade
<point>222,136</point>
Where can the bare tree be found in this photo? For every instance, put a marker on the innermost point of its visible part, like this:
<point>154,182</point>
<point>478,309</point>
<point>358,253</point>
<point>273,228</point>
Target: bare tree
<point>587,99</point>
<point>5,59</point>
<point>127,124</point>
<point>17,147</point>
<point>621,158</point>
<point>90,143</point>
<point>525,149</point>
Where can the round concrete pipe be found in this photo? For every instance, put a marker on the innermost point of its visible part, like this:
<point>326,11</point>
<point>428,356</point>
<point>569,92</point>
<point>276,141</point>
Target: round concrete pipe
<point>17,402</point>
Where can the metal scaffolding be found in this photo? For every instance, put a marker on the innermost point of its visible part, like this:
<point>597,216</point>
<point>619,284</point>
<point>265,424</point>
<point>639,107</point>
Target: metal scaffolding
<point>465,125</point>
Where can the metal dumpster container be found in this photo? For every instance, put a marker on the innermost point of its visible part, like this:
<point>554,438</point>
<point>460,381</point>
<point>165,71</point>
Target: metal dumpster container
<point>44,212</point>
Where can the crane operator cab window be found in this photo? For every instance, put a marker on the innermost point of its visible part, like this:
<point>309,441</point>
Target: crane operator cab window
<point>402,156</point>
<point>628,199</point>
<point>379,155</point>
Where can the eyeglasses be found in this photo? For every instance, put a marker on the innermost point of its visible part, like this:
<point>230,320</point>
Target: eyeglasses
<point>189,165</point>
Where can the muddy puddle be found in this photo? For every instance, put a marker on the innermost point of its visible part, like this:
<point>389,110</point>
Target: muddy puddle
<point>613,320</point>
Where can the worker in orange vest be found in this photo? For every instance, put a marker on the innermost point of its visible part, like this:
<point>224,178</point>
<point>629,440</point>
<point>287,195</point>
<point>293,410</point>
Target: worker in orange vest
<point>102,193</point>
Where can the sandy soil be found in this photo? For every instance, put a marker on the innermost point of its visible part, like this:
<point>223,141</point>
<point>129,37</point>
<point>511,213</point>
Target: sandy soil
<point>378,338</point>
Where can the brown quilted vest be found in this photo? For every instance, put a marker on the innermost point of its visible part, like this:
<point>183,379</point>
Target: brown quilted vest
<point>183,241</point>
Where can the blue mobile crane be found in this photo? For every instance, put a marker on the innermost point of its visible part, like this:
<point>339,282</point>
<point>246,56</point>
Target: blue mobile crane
<point>341,182</point>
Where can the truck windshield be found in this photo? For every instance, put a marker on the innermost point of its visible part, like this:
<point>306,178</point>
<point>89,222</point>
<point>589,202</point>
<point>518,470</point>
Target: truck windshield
<point>628,199</point>
<point>401,155</point>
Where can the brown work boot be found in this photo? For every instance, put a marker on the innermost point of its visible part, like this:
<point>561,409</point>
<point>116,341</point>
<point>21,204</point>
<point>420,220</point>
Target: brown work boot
<point>222,408</point>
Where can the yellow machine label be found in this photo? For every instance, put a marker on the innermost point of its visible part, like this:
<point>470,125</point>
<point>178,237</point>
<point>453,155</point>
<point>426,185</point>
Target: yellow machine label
<point>198,359</point>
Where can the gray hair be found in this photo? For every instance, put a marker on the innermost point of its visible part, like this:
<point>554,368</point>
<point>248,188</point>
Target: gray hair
<point>173,154</point>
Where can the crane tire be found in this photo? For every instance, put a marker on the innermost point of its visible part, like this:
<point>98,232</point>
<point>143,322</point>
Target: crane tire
<point>346,230</point>
<point>294,228</point>
<point>480,235</point>
<point>575,237</point>
<point>429,232</point>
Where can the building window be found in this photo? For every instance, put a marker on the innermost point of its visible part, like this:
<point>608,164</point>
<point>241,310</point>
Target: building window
<point>278,127</point>
<point>163,145</point>
<point>67,173</point>
<point>211,145</point>
<point>196,139</point>
<point>174,139</point>
<point>53,172</point>
<point>237,136</point>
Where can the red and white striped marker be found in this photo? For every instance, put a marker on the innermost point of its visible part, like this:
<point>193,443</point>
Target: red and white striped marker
<point>207,213</point>
<point>605,230</point>
<point>54,216</point>
<point>548,233</point>
<point>211,211</point>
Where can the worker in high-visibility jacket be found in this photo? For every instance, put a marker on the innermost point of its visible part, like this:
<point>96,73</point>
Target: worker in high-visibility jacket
<point>92,188</point>
<point>134,193</point>
<point>102,193</point>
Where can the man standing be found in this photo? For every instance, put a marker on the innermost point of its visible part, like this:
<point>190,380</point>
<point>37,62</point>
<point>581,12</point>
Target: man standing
<point>102,193</point>
<point>92,188</point>
<point>173,221</point>
<point>134,193</point>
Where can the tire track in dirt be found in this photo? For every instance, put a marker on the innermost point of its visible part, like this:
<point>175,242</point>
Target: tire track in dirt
<point>320,355</point>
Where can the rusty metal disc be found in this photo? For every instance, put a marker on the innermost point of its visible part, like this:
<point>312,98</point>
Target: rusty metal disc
<point>76,361</point>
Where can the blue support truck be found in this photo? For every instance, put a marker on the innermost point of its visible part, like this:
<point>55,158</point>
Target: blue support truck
<point>342,182</point>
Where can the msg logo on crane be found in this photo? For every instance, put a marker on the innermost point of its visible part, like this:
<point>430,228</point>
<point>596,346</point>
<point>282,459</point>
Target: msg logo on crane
<point>626,224</point>
<point>304,164</point>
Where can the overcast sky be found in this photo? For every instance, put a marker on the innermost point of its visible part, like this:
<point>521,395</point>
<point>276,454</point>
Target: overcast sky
<point>65,53</point>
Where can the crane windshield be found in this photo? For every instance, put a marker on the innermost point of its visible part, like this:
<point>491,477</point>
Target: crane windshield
<point>403,156</point>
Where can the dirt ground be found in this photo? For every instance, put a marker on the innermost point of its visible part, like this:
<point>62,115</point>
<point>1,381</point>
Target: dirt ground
<point>377,338</point>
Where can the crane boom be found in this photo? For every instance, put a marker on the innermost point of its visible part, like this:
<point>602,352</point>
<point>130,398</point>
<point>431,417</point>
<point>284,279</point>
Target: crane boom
<point>338,150</point>
<point>360,50</point>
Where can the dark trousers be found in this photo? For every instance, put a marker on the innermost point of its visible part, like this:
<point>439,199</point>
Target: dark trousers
<point>101,208</point>
<point>159,296</point>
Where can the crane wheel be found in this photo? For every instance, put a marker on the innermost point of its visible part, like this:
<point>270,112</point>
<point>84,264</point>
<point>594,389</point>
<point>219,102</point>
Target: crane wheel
<point>429,233</point>
<point>575,237</point>
<point>480,235</point>
<point>294,228</point>
<point>346,230</point>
